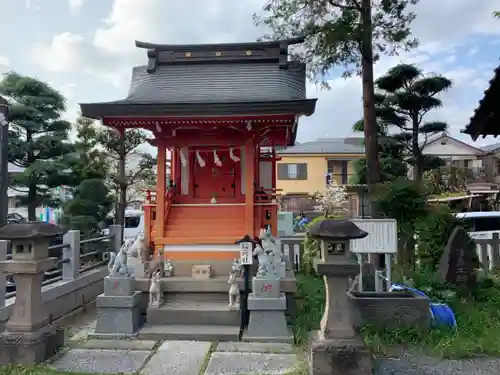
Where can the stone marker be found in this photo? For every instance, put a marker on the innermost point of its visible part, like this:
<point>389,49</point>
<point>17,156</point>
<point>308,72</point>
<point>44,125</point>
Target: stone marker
<point>28,336</point>
<point>202,271</point>
<point>336,348</point>
<point>459,259</point>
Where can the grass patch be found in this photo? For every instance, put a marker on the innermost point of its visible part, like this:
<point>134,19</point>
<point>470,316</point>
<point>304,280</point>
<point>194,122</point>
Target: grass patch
<point>478,322</point>
<point>477,333</point>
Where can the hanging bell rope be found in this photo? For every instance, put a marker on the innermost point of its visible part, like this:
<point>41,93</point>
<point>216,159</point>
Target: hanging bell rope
<point>232,156</point>
<point>217,161</point>
<point>201,162</point>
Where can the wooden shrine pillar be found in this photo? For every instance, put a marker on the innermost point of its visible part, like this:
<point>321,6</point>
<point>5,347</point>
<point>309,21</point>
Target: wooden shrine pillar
<point>250,159</point>
<point>161,188</point>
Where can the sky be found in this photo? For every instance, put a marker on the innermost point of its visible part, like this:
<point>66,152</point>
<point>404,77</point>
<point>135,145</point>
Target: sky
<point>85,49</point>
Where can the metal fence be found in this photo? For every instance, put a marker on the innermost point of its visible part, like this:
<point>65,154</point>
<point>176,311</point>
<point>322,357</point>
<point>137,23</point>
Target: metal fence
<point>75,256</point>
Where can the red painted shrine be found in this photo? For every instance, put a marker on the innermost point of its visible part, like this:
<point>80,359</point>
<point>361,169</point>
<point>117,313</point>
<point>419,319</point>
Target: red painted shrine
<point>217,113</point>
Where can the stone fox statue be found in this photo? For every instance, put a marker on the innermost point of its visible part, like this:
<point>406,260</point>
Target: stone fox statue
<point>117,265</point>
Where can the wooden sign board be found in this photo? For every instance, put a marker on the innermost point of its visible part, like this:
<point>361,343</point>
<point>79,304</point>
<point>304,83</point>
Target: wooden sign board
<point>382,237</point>
<point>203,271</point>
<point>246,253</point>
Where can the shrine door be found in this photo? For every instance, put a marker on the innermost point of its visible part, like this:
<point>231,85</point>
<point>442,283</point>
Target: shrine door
<point>212,180</point>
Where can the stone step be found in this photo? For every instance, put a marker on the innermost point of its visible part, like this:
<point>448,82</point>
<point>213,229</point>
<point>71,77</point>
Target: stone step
<point>163,332</point>
<point>183,284</point>
<point>198,297</point>
<point>194,313</point>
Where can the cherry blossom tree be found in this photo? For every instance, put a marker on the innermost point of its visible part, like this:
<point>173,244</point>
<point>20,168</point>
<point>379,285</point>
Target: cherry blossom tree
<point>333,200</point>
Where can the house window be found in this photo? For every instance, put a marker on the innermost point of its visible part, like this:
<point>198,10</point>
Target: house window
<point>338,170</point>
<point>292,171</point>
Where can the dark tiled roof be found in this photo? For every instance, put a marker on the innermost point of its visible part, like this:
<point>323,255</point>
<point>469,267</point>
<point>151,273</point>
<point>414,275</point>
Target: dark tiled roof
<point>177,77</point>
<point>486,118</point>
<point>218,83</point>
<point>327,146</point>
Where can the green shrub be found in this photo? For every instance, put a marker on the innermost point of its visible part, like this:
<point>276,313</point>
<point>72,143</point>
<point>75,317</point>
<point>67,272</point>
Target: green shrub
<point>433,231</point>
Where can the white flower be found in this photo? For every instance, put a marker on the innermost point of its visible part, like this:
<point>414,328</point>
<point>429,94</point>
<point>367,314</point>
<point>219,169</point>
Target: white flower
<point>333,200</point>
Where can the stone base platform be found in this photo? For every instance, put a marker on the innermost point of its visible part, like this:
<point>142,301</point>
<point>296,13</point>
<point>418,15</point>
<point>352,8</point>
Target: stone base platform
<point>178,357</point>
<point>28,349</point>
<point>348,356</point>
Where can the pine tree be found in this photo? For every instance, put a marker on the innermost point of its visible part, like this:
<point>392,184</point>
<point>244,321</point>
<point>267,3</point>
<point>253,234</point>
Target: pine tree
<point>407,95</point>
<point>37,140</point>
<point>90,201</point>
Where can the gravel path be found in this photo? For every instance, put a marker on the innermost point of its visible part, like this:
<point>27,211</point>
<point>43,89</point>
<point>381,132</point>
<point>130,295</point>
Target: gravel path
<point>405,363</point>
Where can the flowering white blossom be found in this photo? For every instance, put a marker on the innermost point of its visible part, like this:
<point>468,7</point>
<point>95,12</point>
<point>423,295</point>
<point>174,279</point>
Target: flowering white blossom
<point>333,201</point>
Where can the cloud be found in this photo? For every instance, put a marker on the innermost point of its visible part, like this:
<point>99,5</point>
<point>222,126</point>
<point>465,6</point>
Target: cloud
<point>4,64</point>
<point>75,5</point>
<point>443,27</point>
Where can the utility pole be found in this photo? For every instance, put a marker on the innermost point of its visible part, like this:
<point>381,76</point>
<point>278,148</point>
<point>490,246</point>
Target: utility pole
<point>4,162</point>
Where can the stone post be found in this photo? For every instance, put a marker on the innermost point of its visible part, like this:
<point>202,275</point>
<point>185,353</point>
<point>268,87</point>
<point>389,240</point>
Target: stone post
<point>29,338</point>
<point>116,232</point>
<point>3,257</point>
<point>336,348</point>
<point>71,269</point>
<point>118,307</point>
<point>266,303</point>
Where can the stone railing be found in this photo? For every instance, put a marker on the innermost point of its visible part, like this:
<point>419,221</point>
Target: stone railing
<point>75,282</point>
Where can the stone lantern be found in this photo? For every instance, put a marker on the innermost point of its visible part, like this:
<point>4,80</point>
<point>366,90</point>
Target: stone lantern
<point>335,348</point>
<point>29,338</point>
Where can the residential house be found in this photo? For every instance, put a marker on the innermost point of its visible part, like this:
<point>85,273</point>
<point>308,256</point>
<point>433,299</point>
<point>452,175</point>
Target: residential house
<point>470,160</point>
<point>306,168</point>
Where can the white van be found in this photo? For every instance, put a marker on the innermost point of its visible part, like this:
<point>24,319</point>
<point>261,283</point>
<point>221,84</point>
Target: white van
<point>134,224</point>
<point>481,224</point>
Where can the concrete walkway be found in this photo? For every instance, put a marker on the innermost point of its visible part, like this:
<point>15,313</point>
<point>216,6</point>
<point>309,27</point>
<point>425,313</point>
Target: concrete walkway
<point>177,358</point>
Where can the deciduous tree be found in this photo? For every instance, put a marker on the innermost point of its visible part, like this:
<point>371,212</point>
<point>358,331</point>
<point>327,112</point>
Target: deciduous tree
<point>351,34</point>
<point>120,148</point>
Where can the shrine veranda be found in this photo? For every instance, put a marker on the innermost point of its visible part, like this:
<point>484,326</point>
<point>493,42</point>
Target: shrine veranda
<point>217,114</point>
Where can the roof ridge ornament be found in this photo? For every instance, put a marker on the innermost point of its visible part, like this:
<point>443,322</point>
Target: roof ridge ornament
<point>275,51</point>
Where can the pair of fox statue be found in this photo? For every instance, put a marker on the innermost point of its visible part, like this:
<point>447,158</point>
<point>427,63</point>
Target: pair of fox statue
<point>270,259</point>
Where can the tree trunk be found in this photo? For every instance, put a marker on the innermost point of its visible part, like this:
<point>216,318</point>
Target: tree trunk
<point>122,199</point>
<point>418,161</point>
<point>369,114</point>
<point>32,201</point>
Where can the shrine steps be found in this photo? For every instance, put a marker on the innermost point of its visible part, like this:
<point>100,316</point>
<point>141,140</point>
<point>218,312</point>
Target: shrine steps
<point>194,313</point>
<point>189,333</point>
<point>185,315</point>
<point>204,224</point>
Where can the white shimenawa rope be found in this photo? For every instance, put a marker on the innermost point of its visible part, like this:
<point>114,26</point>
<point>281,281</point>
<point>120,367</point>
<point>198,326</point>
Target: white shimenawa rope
<point>232,156</point>
<point>201,162</point>
<point>217,161</point>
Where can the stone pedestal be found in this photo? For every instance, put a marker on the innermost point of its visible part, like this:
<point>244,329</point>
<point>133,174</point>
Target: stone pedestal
<point>336,348</point>
<point>267,306</point>
<point>338,356</point>
<point>117,308</point>
<point>28,337</point>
